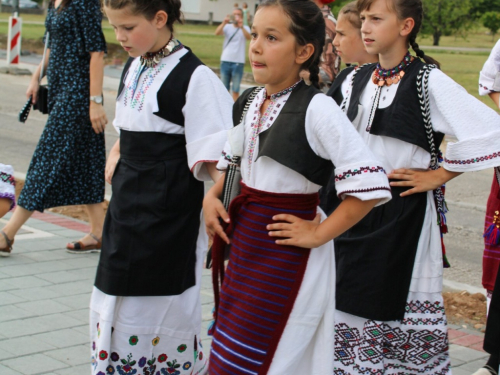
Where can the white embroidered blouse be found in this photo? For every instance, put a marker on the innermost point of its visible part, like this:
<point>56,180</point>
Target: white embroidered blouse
<point>330,135</point>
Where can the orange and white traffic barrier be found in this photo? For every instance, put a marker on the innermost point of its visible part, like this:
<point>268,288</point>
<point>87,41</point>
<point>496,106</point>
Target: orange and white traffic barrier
<point>14,39</point>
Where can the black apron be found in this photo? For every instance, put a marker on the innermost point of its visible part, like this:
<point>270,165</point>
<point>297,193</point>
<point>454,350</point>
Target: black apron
<point>375,258</point>
<point>153,219</point>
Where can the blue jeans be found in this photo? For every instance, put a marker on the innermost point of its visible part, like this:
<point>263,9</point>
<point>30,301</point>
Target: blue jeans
<point>231,71</point>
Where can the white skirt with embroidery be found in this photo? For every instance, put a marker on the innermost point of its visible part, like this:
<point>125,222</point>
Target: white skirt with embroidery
<point>149,335</point>
<point>418,344</point>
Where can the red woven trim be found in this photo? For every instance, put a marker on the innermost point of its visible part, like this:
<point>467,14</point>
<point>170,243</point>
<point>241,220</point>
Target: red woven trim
<point>360,170</point>
<point>363,190</point>
<point>473,160</point>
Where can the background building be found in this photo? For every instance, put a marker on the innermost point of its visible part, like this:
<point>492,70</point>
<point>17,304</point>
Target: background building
<point>213,10</point>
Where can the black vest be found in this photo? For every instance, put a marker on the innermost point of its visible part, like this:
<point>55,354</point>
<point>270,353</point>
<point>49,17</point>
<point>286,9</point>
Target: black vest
<point>403,118</point>
<point>286,141</point>
<point>173,90</point>
<point>335,90</point>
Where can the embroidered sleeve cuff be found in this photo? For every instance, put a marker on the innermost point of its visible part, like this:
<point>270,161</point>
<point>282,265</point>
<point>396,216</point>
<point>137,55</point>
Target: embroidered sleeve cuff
<point>473,154</point>
<point>485,84</point>
<point>206,149</point>
<point>224,161</point>
<point>364,182</point>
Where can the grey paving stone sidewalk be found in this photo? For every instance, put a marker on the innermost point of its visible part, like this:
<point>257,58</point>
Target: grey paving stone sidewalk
<point>44,298</point>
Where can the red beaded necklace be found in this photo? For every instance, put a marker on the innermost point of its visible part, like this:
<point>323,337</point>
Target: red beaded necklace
<point>387,77</point>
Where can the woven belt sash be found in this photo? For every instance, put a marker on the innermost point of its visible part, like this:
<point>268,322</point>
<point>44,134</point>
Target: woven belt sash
<point>261,283</point>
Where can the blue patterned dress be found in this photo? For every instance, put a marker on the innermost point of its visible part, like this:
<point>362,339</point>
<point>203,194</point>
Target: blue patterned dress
<point>67,167</point>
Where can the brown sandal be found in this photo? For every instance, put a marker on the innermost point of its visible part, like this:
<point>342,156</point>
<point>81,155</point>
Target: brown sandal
<point>5,252</point>
<point>80,248</point>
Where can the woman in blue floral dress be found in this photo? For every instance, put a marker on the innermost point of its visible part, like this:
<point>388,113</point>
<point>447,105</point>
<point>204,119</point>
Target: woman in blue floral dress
<point>67,167</point>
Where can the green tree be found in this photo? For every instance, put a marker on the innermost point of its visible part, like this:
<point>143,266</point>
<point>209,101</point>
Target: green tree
<point>446,17</point>
<point>337,5</point>
<point>491,20</point>
<point>480,7</point>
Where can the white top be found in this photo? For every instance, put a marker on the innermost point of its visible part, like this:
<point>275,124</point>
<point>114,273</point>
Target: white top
<point>207,111</point>
<point>234,50</point>
<point>460,115</point>
<point>330,135</point>
<point>489,77</point>
<point>7,183</point>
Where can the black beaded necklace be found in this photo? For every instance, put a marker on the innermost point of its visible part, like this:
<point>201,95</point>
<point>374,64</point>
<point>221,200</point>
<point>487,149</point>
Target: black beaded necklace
<point>282,92</point>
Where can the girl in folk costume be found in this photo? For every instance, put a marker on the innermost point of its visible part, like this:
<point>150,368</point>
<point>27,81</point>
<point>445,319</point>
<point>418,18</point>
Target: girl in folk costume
<point>349,46</point>
<point>390,315</point>
<point>489,84</point>
<point>172,114</point>
<point>276,307</point>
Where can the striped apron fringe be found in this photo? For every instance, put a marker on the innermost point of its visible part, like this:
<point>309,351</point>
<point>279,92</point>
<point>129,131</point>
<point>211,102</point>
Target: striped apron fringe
<point>261,283</point>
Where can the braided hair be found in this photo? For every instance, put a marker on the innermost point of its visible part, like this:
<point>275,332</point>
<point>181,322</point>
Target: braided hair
<point>406,9</point>
<point>149,8</point>
<point>350,10</point>
<point>303,14</point>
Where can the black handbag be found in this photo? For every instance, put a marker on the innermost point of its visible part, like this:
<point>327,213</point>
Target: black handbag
<point>42,97</point>
<point>232,178</point>
<point>42,100</point>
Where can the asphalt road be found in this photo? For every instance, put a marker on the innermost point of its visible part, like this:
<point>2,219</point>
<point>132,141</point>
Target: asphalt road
<point>466,194</point>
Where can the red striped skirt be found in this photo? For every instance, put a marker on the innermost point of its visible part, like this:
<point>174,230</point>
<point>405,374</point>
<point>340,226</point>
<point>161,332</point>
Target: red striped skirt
<point>260,284</point>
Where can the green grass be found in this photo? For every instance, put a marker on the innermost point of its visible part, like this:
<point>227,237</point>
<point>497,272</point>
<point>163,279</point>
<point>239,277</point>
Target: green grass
<point>478,38</point>
<point>463,67</point>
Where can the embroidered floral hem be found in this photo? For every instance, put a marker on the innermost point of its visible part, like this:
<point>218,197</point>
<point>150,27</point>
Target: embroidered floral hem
<point>418,344</point>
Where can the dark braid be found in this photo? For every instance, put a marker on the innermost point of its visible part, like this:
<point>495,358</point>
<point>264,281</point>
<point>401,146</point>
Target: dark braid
<point>149,8</point>
<point>308,26</point>
<point>314,72</point>
<point>407,9</point>
<point>420,53</point>
<point>416,48</point>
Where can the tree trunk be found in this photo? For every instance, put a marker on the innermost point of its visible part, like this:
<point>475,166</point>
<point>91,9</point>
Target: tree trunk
<point>436,36</point>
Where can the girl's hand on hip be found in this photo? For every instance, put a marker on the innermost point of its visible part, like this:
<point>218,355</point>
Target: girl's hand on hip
<point>32,91</point>
<point>98,117</point>
<point>295,231</point>
<point>420,181</point>
<point>213,211</point>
